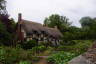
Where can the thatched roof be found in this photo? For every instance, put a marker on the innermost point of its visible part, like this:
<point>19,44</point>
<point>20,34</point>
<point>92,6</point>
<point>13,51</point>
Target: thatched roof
<point>54,32</point>
<point>30,27</point>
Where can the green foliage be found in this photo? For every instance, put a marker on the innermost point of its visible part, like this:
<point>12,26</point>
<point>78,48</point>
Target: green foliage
<point>35,59</point>
<point>88,27</point>
<point>44,44</point>
<point>5,37</point>
<point>56,20</point>
<point>25,62</point>
<point>9,55</point>
<point>38,49</point>
<point>79,47</point>
<point>86,31</point>
<point>60,57</point>
<point>6,30</point>
<point>86,21</point>
<point>66,43</point>
<point>29,44</point>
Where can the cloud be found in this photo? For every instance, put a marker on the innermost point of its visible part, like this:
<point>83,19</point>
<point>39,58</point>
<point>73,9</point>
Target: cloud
<point>37,10</point>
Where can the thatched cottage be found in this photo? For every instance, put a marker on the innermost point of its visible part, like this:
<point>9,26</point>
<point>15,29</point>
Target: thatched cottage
<point>29,30</point>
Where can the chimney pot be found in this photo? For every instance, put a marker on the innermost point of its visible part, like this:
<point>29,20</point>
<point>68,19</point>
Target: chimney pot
<point>19,17</point>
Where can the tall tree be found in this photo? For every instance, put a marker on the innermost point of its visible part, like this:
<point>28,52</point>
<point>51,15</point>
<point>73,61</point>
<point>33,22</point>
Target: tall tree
<point>86,21</point>
<point>3,7</point>
<point>46,21</point>
<point>6,24</point>
<point>4,17</point>
<point>56,20</point>
<point>89,26</point>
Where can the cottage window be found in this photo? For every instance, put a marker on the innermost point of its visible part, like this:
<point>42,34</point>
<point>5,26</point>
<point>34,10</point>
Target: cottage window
<point>41,35</point>
<point>45,38</point>
<point>34,35</point>
<point>28,39</point>
<point>39,38</point>
<point>57,42</point>
<point>50,39</point>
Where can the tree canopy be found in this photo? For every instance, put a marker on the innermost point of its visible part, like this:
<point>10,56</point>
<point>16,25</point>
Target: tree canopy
<point>62,22</point>
<point>89,26</point>
<point>3,7</point>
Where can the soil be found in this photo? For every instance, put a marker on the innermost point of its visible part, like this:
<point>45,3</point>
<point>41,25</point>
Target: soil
<point>42,60</point>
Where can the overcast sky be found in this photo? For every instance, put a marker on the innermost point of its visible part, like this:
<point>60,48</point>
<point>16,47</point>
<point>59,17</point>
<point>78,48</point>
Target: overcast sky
<point>37,10</point>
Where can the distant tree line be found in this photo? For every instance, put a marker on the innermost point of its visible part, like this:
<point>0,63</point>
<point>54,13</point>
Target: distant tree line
<point>87,31</point>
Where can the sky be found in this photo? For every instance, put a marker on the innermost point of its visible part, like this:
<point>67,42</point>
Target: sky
<point>37,10</point>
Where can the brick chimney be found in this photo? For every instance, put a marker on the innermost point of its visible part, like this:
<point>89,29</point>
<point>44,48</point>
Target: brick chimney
<point>19,28</point>
<point>19,17</point>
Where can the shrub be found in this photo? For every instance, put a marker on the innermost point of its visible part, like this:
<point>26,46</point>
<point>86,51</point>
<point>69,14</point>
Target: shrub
<point>79,47</point>
<point>29,44</point>
<point>10,55</point>
<point>65,48</point>
<point>45,43</point>
<point>38,49</point>
<point>25,62</point>
<point>6,56</point>
<point>5,36</point>
<point>35,59</point>
<point>42,48</point>
<point>70,42</point>
<point>60,58</point>
<point>2,55</point>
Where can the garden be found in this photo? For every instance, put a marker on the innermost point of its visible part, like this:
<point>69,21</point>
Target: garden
<point>75,41</point>
<point>53,55</point>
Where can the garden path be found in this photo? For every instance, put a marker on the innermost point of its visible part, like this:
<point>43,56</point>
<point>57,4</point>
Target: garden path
<point>42,60</point>
<point>78,60</point>
<point>88,57</point>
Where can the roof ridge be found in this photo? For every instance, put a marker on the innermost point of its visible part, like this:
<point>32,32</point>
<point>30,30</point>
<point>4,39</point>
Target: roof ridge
<point>32,21</point>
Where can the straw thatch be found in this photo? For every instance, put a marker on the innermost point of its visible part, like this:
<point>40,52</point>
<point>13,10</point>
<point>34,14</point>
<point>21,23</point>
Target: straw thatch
<point>31,27</point>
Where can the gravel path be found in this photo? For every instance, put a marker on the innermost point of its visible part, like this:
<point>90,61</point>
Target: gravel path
<point>78,60</point>
<point>87,58</point>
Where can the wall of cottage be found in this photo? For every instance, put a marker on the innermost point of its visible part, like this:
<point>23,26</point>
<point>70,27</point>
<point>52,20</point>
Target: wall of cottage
<point>24,33</point>
<point>41,38</point>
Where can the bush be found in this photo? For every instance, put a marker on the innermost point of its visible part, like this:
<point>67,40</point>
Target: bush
<point>45,44</point>
<point>29,44</point>
<point>5,36</point>
<point>38,49</point>
<point>7,56</point>
<point>70,42</point>
<point>65,48</point>
<point>10,55</point>
<point>25,62</point>
<point>41,48</point>
<point>80,47</point>
<point>60,58</point>
<point>2,55</point>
